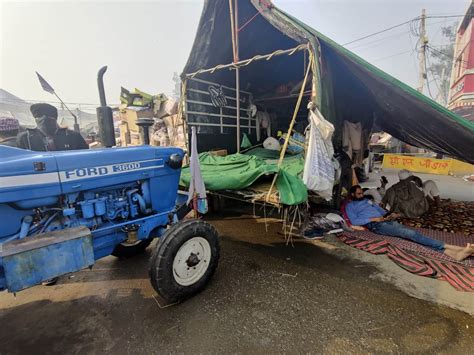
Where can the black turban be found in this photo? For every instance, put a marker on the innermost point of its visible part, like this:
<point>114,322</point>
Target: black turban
<point>39,110</point>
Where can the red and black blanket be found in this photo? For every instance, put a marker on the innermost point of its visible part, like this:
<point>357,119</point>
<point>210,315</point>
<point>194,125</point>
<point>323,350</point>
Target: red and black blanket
<point>419,259</point>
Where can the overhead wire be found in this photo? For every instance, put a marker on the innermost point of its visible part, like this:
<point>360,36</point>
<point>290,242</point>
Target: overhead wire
<point>432,75</point>
<point>431,16</point>
<point>438,31</point>
<point>413,50</point>
<point>378,32</point>
<point>50,102</point>
<point>412,27</point>
<point>413,30</point>
<point>448,56</point>
<point>393,55</point>
<point>363,45</point>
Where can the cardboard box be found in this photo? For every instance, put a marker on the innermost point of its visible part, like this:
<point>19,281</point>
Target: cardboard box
<point>124,134</point>
<point>167,108</point>
<point>176,132</point>
<point>129,131</point>
<point>219,152</point>
<point>130,116</point>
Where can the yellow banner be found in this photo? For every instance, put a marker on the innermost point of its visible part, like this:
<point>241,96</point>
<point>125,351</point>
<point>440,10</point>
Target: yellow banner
<point>417,164</point>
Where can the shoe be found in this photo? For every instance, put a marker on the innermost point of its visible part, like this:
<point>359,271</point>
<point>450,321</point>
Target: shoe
<point>50,282</point>
<point>314,233</point>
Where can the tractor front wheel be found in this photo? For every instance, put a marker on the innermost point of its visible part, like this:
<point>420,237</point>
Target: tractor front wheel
<point>184,260</point>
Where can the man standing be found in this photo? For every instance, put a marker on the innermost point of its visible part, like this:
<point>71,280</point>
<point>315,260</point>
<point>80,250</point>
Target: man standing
<point>48,136</point>
<point>362,213</point>
<point>9,128</point>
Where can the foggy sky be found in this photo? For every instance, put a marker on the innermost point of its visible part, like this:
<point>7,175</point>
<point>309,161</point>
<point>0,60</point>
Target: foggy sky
<point>143,43</point>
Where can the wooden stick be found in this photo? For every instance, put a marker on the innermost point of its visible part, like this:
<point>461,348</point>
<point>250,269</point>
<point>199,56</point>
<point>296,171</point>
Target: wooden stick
<point>290,129</point>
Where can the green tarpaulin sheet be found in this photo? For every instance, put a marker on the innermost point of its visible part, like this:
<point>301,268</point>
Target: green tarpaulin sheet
<point>239,171</point>
<point>245,142</point>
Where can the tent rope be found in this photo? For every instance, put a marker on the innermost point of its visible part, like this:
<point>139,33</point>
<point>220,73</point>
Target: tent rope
<point>293,120</point>
<point>246,62</point>
<point>265,7</point>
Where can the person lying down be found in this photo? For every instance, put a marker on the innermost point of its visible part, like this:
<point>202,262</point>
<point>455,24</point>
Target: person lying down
<point>362,212</point>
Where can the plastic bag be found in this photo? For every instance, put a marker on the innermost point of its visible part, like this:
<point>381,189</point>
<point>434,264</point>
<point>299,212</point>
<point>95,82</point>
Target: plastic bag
<point>319,172</point>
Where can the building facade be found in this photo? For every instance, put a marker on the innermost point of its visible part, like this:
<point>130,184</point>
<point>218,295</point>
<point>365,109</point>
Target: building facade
<point>461,93</point>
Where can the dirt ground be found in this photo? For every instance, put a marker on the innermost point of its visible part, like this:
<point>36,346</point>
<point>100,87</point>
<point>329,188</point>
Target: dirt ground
<point>265,297</point>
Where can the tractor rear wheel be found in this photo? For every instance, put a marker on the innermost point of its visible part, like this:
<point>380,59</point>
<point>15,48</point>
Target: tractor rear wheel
<point>124,250</point>
<point>184,260</point>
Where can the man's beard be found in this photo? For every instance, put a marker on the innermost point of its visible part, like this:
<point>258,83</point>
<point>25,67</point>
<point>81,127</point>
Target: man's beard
<point>47,125</point>
<point>359,198</point>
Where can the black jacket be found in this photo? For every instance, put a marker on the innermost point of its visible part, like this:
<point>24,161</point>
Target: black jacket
<point>64,139</point>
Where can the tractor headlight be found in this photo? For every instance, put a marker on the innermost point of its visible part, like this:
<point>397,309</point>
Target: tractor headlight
<point>175,161</point>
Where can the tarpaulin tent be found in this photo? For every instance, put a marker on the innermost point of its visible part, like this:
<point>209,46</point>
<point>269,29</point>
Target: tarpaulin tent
<point>343,86</point>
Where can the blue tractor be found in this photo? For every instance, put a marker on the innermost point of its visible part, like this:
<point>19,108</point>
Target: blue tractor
<point>61,211</point>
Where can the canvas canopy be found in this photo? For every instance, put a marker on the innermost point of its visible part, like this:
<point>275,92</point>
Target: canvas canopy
<point>344,86</point>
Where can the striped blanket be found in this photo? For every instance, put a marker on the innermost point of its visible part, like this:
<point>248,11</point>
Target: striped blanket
<point>418,259</point>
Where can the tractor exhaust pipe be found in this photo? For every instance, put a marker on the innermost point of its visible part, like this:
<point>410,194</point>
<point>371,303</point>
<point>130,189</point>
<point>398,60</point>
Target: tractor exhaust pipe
<point>104,114</point>
<point>145,124</point>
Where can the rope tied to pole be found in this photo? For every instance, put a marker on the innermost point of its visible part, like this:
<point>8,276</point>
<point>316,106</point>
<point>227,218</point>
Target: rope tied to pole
<point>246,62</point>
<point>292,123</point>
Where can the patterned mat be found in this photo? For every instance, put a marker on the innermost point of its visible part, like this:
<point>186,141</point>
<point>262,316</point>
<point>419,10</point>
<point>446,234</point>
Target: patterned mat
<point>451,216</point>
<point>418,259</point>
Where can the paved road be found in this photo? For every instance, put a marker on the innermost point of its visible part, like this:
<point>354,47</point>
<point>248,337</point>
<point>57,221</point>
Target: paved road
<point>264,298</point>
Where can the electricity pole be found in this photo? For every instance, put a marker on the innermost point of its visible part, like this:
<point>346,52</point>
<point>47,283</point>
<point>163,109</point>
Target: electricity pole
<point>422,55</point>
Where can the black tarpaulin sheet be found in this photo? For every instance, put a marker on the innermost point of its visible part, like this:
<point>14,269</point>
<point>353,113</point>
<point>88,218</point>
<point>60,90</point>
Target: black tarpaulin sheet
<point>347,87</point>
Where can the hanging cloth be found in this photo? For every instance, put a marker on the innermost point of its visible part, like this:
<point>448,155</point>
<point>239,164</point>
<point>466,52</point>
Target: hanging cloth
<point>263,121</point>
<point>352,138</point>
<point>197,189</point>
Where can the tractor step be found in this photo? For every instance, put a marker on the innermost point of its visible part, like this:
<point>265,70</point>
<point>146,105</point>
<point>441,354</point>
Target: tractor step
<point>32,260</point>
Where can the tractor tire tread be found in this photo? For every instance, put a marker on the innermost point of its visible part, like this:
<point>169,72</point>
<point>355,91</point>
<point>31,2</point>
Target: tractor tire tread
<point>161,262</point>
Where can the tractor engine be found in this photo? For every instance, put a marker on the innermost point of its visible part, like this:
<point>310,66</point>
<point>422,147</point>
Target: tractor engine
<point>92,209</point>
<point>42,192</point>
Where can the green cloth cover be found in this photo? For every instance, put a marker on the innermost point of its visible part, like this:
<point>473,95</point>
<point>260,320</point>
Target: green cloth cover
<point>239,171</point>
<point>245,142</point>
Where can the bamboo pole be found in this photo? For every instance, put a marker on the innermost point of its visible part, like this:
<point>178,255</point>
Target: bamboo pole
<point>237,72</point>
<point>234,23</point>
<point>290,129</point>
